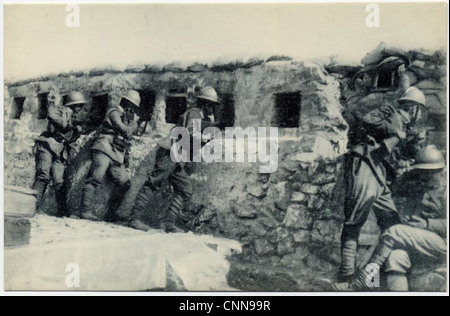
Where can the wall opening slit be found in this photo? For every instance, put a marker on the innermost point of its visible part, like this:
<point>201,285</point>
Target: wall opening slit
<point>98,108</point>
<point>176,105</point>
<point>17,108</point>
<point>42,106</point>
<point>287,109</point>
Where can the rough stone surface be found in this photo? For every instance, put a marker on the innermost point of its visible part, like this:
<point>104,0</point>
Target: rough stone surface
<point>254,277</point>
<point>298,217</point>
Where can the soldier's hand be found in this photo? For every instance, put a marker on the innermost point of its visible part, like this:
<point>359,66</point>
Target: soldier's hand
<point>401,134</point>
<point>422,135</point>
<point>401,68</point>
<point>416,221</point>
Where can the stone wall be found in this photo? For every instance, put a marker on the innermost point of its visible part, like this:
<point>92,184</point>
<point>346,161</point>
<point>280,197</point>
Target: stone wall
<point>287,221</point>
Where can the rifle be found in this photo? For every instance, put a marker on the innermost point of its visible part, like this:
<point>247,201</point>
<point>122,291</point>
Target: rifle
<point>144,117</point>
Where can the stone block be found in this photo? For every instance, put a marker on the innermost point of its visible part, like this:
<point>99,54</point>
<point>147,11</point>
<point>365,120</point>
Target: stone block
<point>302,236</point>
<point>298,216</point>
<point>245,212</point>
<point>310,188</point>
<point>256,191</point>
<point>263,247</point>
<point>315,202</point>
<point>298,197</point>
<point>326,231</point>
<point>285,247</point>
<point>323,178</point>
<point>17,232</point>
<point>280,195</point>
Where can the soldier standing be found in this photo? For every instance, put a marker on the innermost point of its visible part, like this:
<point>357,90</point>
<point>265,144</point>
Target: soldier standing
<point>108,154</point>
<point>366,173</point>
<point>52,148</point>
<point>165,168</point>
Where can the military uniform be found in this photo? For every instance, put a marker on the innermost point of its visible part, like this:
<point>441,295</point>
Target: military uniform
<point>413,245</point>
<point>52,151</point>
<point>366,181</point>
<point>167,169</point>
<point>420,237</point>
<point>108,156</point>
<point>403,245</point>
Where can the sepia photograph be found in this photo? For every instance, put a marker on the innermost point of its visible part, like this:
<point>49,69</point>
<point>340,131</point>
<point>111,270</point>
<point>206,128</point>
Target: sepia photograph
<point>240,147</point>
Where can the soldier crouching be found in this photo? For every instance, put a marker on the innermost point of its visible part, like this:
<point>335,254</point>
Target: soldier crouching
<point>167,169</point>
<point>108,155</point>
<point>421,237</point>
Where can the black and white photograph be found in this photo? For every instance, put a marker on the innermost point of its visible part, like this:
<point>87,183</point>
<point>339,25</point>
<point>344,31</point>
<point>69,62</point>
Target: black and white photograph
<point>224,148</point>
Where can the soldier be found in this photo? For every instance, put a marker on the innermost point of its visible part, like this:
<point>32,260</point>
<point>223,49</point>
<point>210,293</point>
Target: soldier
<point>413,102</point>
<point>422,236</point>
<point>165,168</point>
<point>52,148</point>
<point>108,154</point>
<point>366,173</point>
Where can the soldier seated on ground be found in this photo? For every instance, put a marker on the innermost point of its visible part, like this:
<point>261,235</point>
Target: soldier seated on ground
<point>175,172</point>
<point>421,238</point>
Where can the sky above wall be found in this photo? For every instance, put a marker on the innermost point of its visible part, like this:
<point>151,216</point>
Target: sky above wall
<point>38,42</point>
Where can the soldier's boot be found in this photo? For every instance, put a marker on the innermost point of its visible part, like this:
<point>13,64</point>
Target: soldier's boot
<point>60,194</point>
<point>348,261</point>
<point>141,202</point>
<point>117,196</point>
<point>139,225</point>
<point>39,186</point>
<point>86,201</point>
<point>397,282</point>
<point>372,269</point>
<point>173,214</point>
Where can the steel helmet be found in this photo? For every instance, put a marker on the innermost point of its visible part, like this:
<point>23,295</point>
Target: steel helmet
<point>74,98</point>
<point>429,158</point>
<point>413,94</point>
<point>133,96</point>
<point>208,93</point>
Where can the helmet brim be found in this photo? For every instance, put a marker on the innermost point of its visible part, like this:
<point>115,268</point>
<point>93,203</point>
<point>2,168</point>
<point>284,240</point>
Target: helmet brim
<point>75,103</point>
<point>132,101</point>
<point>429,166</point>
<point>208,99</point>
<point>404,100</point>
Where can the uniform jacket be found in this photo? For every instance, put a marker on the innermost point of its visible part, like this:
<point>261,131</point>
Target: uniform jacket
<point>115,134</point>
<point>60,130</point>
<point>384,122</point>
<point>187,120</point>
<point>373,154</point>
<point>434,210</point>
<point>421,200</point>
